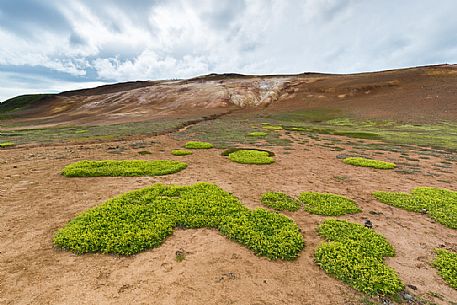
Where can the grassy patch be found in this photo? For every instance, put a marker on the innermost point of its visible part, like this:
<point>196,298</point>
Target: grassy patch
<point>257,134</point>
<point>91,133</point>
<point>438,204</point>
<point>328,204</point>
<point>358,161</point>
<point>280,201</point>
<point>130,168</point>
<point>7,144</point>
<point>441,135</point>
<point>142,219</point>
<point>229,131</point>
<point>446,263</point>
<point>251,157</point>
<point>181,152</point>
<point>198,145</point>
<point>354,255</point>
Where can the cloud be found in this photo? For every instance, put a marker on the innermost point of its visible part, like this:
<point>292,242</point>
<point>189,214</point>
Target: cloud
<point>108,41</point>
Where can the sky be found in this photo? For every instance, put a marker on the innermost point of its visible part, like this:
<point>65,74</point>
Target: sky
<point>54,45</point>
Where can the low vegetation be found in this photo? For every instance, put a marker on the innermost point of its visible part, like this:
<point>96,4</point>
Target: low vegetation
<point>328,204</point>
<point>129,168</point>
<point>181,152</point>
<point>228,151</point>
<point>251,157</point>
<point>354,255</point>
<point>357,161</point>
<point>280,201</point>
<point>272,127</point>
<point>7,144</point>
<point>257,134</point>
<point>142,219</point>
<point>446,263</point>
<point>438,204</point>
<point>198,145</point>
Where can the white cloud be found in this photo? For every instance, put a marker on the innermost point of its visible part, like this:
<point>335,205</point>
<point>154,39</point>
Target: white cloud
<point>103,41</point>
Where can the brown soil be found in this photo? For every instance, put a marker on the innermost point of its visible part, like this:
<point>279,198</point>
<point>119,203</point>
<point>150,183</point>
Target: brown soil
<point>36,200</point>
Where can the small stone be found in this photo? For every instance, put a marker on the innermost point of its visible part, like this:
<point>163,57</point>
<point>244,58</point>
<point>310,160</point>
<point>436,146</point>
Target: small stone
<point>423,211</point>
<point>413,287</point>
<point>408,297</point>
<point>368,224</point>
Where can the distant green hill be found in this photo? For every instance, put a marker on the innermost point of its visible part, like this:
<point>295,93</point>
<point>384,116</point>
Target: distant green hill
<point>8,107</point>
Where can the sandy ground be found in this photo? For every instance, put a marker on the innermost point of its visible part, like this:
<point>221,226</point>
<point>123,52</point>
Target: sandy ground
<point>36,200</point>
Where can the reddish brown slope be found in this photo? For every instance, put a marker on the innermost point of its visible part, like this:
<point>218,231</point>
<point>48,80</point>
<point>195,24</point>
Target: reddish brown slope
<point>416,94</point>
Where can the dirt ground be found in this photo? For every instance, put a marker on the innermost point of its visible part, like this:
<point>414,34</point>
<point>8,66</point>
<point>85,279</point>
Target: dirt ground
<point>36,201</point>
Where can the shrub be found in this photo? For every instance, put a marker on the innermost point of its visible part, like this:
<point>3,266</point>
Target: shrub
<point>7,144</point>
<point>280,201</point>
<point>446,263</point>
<point>130,168</point>
<point>251,157</point>
<point>257,134</point>
<point>354,255</point>
<point>438,204</point>
<point>181,152</point>
<point>328,204</point>
<point>198,145</point>
<point>356,161</point>
<point>142,219</point>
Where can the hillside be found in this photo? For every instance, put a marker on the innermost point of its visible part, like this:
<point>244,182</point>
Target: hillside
<point>422,94</point>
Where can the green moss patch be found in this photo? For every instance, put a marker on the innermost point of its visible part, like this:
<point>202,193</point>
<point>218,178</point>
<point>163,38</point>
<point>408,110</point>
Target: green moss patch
<point>328,204</point>
<point>130,168</point>
<point>446,263</point>
<point>233,149</point>
<point>354,255</point>
<point>280,201</point>
<point>272,127</point>
<point>198,145</point>
<point>357,161</point>
<point>438,204</point>
<point>142,219</point>
<point>7,144</point>
<point>257,134</point>
<point>251,157</point>
<point>181,152</point>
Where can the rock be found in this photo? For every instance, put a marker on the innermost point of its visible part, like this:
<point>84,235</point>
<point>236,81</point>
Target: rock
<point>368,224</point>
<point>412,286</point>
<point>408,297</point>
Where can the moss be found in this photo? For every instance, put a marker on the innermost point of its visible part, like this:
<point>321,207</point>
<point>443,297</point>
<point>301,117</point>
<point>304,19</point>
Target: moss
<point>251,157</point>
<point>131,168</point>
<point>354,255</point>
<point>356,161</point>
<point>181,152</point>
<point>257,134</point>
<point>198,145</point>
<point>328,204</point>
<point>438,204</point>
<point>280,201</point>
<point>228,151</point>
<point>142,219</point>
<point>7,144</point>
<point>446,264</point>
<point>272,127</point>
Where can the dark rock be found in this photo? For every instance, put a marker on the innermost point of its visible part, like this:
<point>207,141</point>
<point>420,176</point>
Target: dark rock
<point>368,224</point>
